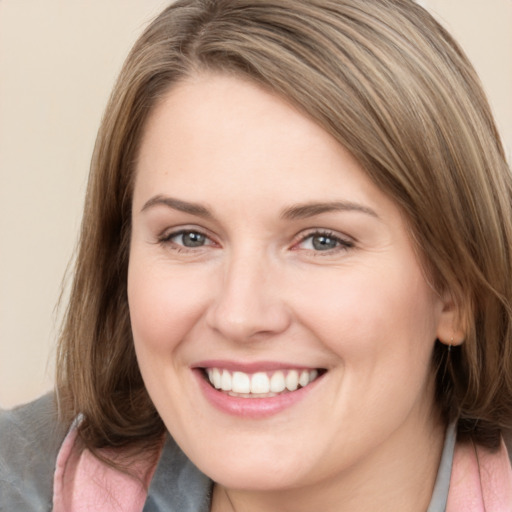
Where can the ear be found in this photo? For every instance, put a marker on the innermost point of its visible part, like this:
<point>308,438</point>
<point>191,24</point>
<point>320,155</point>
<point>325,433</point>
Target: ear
<point>451,326</point>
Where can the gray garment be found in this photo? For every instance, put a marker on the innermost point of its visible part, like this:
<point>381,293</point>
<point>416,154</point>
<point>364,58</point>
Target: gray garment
<point>177,484</point>
<point>30,439</point>
<point>442,486</point>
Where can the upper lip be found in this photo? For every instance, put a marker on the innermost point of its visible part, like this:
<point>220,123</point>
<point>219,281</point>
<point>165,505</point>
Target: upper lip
<point>252,366</point>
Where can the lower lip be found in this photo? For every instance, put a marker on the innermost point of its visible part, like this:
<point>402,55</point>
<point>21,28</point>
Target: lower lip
<point>253,408</point>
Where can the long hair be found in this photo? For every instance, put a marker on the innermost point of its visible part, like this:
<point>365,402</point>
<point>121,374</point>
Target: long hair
<point>391,85</point>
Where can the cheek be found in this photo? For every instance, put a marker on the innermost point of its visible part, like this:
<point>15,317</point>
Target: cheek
<point>164,305</point>
<point>381,331</point>
<point>367,315</point>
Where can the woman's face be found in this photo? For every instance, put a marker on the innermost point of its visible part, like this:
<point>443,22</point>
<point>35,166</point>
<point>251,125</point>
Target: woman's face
<point>263,259</point>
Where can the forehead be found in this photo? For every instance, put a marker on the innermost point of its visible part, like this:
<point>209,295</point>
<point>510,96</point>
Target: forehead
<point>219,112</point>
<point>216,134</point>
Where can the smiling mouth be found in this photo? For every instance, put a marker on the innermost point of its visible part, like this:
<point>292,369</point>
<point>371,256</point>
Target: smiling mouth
<point>260,384</point>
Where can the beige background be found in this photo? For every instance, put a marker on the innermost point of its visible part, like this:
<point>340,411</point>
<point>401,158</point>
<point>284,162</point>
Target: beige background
<point>58,61</point>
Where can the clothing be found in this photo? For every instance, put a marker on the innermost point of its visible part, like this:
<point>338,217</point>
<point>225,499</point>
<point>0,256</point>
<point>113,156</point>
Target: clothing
<point>39,464</point>
<point>30,440</point>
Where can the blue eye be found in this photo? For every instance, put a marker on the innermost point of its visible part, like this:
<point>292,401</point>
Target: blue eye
<point>192,239</point>
<point>323,242</point>
<point>187,238</point>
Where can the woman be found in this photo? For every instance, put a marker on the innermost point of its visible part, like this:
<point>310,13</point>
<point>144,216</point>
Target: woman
<point>294,259</point>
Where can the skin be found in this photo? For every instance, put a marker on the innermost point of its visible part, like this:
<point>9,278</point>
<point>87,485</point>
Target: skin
<point>261,288</point>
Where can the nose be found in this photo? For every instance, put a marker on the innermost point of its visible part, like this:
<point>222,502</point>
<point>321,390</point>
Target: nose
<point>248,304</point>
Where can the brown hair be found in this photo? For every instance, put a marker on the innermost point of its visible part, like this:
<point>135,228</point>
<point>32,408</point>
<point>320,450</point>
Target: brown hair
<point>391,85</point>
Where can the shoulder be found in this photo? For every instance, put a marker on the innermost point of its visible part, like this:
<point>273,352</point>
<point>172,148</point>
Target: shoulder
<point>30,438</point>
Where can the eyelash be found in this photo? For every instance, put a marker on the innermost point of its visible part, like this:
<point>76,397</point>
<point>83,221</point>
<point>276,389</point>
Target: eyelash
<point>166,240</point>
<point>341,243</point>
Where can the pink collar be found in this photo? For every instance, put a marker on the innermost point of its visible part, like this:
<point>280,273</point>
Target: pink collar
<point>481,480</point>
<point>83,483</point>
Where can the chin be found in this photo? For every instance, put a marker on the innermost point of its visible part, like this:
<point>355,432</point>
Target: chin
<point>256,478</point>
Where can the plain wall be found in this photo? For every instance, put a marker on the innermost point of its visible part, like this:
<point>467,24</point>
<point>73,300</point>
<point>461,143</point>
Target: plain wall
<point>58,62</point>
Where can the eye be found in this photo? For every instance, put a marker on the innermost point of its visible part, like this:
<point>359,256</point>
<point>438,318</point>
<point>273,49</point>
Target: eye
<point>190,239</point>
<point>187,238</point>
<point>324,242</point>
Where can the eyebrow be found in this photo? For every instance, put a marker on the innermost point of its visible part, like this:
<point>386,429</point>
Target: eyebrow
<point>177,204</point>
<point>303,211</point>
<point>294,212</point>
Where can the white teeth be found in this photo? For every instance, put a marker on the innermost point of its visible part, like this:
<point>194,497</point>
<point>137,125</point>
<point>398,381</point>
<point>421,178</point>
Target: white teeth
<point>292,380</point>
<point>241,383</point>
<point>217,378</point>
<point>225,382</point>
<point>304,378</point>
<point>277,382</point>
<point>260,383</point>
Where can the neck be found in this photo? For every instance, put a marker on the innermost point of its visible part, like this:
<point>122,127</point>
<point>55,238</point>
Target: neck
<point>397,477</point>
